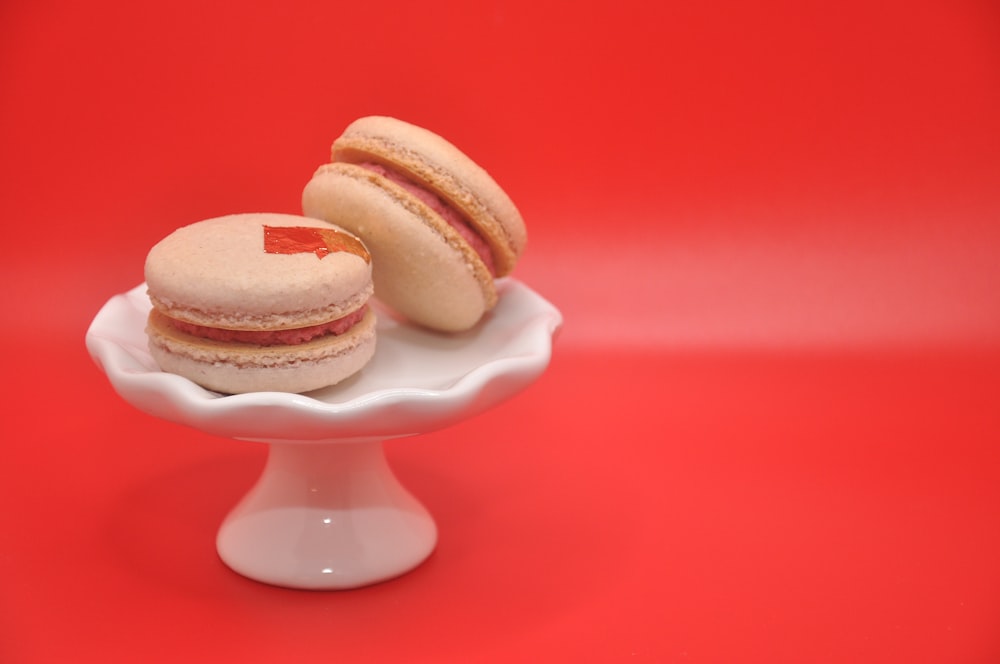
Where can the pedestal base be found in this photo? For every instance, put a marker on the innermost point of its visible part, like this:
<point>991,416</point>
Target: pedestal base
<point>327,515</point>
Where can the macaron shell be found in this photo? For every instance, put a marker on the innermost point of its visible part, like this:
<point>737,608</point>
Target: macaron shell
<point>438,165</point>
<point>420,266</point>
<point>233,368</point>
<point>216,273</point>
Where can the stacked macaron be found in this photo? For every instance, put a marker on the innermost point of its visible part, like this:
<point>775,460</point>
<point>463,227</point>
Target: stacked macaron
<point>277,302</point>
<point>260,302</point>
<point>440,229</point>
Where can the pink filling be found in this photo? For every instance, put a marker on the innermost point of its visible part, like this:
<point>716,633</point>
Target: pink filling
<point>291,337</point>
<point>448,213</point>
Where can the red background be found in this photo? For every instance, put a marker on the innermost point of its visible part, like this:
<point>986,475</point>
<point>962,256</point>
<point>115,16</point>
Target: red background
<point>770,429</point>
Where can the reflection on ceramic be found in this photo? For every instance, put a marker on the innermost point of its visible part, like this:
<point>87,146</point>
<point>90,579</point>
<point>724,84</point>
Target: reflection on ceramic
<point>327,512</point>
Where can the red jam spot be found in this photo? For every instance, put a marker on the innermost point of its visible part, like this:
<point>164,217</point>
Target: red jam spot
<point>309,240</point>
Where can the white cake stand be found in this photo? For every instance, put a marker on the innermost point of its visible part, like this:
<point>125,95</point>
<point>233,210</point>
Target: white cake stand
<point>327,511</point>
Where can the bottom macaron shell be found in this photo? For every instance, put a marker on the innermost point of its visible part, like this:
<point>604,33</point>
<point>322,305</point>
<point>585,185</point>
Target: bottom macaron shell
<point>415,268</point>
<point>233,368</point>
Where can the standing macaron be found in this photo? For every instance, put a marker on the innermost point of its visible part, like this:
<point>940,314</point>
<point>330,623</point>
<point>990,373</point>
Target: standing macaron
<point>440,229</point>
<point>260,302</point>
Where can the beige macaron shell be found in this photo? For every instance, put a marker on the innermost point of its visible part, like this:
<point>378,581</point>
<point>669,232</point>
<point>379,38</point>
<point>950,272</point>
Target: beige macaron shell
<point>238,368</point>
<point>420,266</point>
<point>438,165</point>
<point>216,273</point>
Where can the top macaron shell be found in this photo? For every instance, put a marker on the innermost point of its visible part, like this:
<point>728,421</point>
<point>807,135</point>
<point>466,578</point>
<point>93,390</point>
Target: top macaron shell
<point>436,164</point>
<point>216,273</point>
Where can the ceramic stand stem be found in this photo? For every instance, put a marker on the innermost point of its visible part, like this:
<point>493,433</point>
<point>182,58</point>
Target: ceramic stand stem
<point>326,515</point>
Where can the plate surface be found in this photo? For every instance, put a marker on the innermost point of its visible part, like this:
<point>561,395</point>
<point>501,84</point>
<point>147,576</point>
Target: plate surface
<point>418,380</point>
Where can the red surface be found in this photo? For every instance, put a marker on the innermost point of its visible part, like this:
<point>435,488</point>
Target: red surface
<point>770,429</point>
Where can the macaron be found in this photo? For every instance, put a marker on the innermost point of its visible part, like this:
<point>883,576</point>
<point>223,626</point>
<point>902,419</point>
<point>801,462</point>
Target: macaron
<point>439,227</point>
<point>260,302</point>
